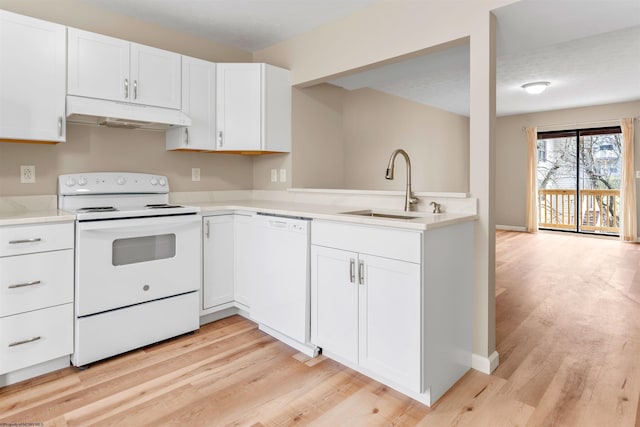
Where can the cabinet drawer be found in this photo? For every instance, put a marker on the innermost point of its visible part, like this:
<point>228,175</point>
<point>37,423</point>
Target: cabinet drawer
<point>381,241</point>
<point>35,337</point>
<point>24,239</point>
<point>31,282</point>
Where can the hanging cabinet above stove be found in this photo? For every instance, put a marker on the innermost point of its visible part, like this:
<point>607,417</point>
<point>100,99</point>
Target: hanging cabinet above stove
<point>104,67</point>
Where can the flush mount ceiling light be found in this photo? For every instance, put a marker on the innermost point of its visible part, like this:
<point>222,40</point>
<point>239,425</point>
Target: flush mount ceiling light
<point>535,88</point>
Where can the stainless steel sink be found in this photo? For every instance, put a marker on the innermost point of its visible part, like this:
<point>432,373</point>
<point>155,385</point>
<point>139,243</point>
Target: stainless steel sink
<point>376,214</point>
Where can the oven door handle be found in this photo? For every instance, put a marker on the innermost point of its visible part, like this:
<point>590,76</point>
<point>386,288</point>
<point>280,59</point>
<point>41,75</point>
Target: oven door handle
<point>139,223</point>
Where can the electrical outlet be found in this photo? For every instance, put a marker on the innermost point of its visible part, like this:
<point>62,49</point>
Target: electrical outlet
<point>283,175</point>
<point>195,174</point>
<point>274,175</point>
<point>27,174</point>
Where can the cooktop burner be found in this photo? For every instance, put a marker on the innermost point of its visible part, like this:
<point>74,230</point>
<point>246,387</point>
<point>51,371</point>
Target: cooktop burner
<point>162,206</point>
<point>97,209</point>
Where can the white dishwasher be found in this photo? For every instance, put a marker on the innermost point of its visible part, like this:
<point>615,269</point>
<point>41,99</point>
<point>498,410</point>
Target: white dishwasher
<point>281,290</point>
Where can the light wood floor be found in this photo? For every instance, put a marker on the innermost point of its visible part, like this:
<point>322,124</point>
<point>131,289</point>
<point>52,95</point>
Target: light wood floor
<point>568,334</point>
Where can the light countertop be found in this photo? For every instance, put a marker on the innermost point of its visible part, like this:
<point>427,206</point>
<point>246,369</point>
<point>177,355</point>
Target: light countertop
<point>35,217</point>
<point>424,220</point>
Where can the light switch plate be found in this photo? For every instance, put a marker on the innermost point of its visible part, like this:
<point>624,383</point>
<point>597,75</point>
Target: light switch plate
<point>638,174</point>
<point>195,174</point>
<point>274,175</point>
<point>27,174</point>
<point>283,175</point>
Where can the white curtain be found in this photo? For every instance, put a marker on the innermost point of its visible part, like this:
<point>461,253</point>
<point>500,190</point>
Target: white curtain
<point>532,186</point>
<point>628,224</point>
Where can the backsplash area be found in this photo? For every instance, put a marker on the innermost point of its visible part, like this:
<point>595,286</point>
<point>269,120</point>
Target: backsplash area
<point>100,149</point>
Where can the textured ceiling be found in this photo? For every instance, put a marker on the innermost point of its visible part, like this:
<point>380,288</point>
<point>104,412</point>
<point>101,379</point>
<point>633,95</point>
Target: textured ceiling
<point>245,24</point>
<point>588,49</point>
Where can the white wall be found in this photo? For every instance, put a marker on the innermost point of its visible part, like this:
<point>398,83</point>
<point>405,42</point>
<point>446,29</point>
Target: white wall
<point>377,123</point>
<point>98,149</point>
<point>343,139</point>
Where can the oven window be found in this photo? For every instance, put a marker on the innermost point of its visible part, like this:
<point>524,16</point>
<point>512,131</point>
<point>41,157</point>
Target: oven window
<point>142,249</point>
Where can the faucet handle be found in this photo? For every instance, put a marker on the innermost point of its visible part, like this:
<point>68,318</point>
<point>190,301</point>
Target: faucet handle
<point>436,207</point>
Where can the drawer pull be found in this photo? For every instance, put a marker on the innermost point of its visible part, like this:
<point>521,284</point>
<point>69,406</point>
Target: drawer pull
<point>13,344</point>
<point>15,242</point>
<point>22,285</point>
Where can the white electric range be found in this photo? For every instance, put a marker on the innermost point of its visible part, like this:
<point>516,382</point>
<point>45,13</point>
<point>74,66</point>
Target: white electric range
<point>137,272</point>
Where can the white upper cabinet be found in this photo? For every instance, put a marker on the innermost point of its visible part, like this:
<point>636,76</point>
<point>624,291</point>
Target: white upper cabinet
<point>32,79</point>
<point>98,66</point>
<point>253,108</point>
<point>199,103</point>
<point>156,76</point>
<point>108,68</point>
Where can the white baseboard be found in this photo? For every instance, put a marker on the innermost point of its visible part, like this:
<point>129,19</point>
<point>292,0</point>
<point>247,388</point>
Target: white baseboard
<point>510,228</point>
<point>486,365</point>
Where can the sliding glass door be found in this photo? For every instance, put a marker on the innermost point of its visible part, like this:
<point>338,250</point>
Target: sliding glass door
<point>578,177</point>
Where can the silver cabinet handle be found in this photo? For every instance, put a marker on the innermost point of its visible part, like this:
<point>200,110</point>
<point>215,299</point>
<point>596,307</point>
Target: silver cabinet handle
<point>352,270</point>
<point>361,272</point>
<point>186,136</point>
<point>220,138</point>
<point>208,229</point>
<point>126,88</point>
<point>60,126</point>
<point>15,242</point>
<point>27,341</point>
<point>22,285</point>
<point>135,89</point>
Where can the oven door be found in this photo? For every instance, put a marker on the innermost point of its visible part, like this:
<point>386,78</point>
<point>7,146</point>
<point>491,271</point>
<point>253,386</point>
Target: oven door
<point>121,262</point>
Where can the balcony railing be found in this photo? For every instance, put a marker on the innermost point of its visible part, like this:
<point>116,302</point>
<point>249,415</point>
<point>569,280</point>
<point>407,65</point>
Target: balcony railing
<point>599,210</point>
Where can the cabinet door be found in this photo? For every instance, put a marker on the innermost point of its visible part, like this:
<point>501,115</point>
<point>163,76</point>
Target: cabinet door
<point>245,273</point>
<point>239,106</point>
<point>218,274</point>
<point>98,66</point>
<point>32,79</point>
<point>199,103</point>
<point>334,306</point>
<point>155,77</point>
<point>390,319</point>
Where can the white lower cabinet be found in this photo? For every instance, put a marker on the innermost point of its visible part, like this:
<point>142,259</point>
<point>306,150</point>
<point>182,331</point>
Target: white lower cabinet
<point>228,262</point>
<point>389,319</point>
<point>394,304</point>
<point>34,337</point>
<point>36,299</point>
<point>334,302</point>
<point>218,262</point>
<point>366,311</point>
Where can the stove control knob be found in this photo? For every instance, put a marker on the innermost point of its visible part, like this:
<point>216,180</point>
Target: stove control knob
<point>154,181</point>
<point>163,182</point>
<point>82,181</point>
<point>121,180</point>
<point>70,182</point>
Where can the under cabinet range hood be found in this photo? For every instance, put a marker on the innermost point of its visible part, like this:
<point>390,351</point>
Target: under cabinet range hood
<point>122,114</point>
